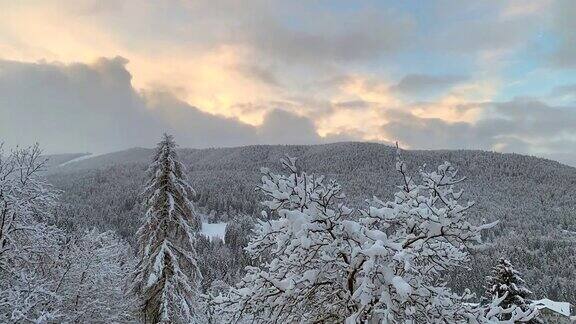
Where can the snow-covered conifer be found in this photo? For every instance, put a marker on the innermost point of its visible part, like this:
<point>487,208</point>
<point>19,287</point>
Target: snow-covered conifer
<point>167,277</point>
<point>507,281</point>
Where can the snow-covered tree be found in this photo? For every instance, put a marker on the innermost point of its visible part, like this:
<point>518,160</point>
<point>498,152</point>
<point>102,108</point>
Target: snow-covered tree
<point>507,281</point>
<point>47,274</point>
<point>92,287</point>
<point>29,247</point>
<point>329,263</point>
<point>167,277</point>
<point>26,200</point>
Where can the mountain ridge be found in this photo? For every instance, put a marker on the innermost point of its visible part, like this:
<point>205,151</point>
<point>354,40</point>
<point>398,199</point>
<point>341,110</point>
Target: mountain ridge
<point>149,151</point>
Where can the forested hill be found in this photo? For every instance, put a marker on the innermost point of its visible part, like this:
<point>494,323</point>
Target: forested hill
<point>534,199</point>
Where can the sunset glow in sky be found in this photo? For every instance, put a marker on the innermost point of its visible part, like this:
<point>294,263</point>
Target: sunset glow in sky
<point>104,75</point>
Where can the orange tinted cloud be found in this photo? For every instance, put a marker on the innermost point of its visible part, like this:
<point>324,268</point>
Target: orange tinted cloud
<point>209,77</point>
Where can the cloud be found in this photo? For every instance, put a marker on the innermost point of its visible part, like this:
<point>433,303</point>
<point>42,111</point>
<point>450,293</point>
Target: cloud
<point>482,27</point>
<point>565,94</point>
<point>263,74</point>
<point>82,107</point>
<point>352,104</point>
<point>519,126</point>
<point>427,133</point>
<point>74,107</point>
<point>195,128</point>
<point>565,90</point>
<point>282,127</point>
<point>565,27</point>
<point>317,35</point>
<point>423,83</point>
<point>94,107</point>
<point>221,56</point>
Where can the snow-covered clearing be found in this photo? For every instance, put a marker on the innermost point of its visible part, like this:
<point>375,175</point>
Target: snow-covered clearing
<point>559,307</point>
<point>80,158</point>
<point>216,230</point>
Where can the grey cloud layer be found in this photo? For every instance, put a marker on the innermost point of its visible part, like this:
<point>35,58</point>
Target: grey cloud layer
<point>287,31</point>
<point>565,26</point>
<point>80,107</point>
<point>354,36</point>
<point>71,108</point>
<point>421,83</point>
<point>519,126</point>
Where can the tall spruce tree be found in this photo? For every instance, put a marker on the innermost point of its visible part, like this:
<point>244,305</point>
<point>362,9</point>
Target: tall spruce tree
<point>167,277</point>
<point>507,280</point>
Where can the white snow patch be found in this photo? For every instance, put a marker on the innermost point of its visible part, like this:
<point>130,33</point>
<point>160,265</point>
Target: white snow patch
<point>80,158</point>
<point>402,287</point>
<point>216,230</point>
<point>558,307</point>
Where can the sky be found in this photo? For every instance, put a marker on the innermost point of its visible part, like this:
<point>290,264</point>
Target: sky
<point>105,75</point>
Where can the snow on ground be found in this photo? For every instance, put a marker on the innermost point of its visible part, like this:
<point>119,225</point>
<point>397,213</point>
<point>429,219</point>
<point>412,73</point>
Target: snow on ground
<point>559,307</point>
<point>215,230</point>
<point>83,157</point>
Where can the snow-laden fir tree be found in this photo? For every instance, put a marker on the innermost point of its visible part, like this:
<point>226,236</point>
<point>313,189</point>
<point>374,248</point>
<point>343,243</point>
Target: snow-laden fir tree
<point>506,282</point>
<point>167,277</point>
<point>331,264</point>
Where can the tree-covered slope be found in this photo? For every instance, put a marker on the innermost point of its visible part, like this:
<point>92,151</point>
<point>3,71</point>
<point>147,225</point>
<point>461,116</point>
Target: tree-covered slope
<point>534,199</point>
